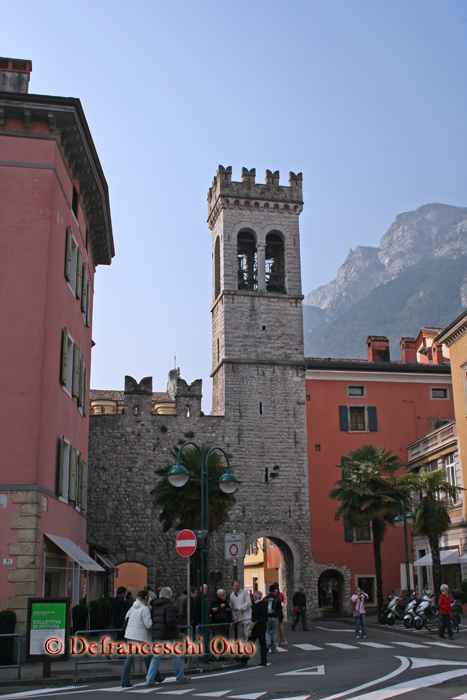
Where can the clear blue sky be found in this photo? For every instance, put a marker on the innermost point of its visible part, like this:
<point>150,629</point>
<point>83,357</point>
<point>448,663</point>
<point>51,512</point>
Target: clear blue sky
<point>366,97</point>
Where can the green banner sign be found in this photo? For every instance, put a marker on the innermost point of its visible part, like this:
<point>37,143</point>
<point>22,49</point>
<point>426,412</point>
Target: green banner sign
<point>47,628</point>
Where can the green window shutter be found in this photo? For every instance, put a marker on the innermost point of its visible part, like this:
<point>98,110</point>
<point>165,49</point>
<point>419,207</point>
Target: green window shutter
<point>82,497</point>
<point>372,420</point>
<point>78,478</point>
<point>68,253</point>
<point>81,373</point>
<point>72,477</point>
<point>64,356</point>
<point>61,455</point>
<point>88,304</point>
<point>343,418</point>
<point>79,274</point>
<point>85,289</point>
<point>76,365</point>
<point>85,392</point>
<point>348,531</point>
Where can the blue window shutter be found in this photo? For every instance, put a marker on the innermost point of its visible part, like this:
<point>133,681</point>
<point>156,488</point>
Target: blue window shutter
<point>343,463</point>
<point>372,420</point>
<point>348,531</point>
<point>343,418</point>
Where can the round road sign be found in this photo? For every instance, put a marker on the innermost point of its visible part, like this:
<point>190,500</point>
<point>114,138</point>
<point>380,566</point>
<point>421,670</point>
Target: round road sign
<point>185,544</point>
<point>233,549</point>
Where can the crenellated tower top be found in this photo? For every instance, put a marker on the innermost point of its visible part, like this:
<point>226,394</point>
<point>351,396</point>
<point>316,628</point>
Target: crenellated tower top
<point>225,193</point>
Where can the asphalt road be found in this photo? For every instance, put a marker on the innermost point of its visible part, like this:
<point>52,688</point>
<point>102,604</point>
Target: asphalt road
<point>325,663</point>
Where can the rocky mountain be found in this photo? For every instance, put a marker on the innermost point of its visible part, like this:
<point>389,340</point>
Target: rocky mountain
<point>416,277</point>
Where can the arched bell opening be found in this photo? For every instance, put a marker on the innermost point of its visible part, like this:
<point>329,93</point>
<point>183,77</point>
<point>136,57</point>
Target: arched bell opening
<point>247,258</point>
<point>275,263</point>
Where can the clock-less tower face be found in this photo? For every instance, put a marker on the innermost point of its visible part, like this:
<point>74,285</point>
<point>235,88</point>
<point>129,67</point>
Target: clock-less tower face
<point>257,349</point>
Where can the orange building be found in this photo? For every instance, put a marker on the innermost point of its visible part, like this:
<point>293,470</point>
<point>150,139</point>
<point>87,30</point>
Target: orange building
<point>355,402</point>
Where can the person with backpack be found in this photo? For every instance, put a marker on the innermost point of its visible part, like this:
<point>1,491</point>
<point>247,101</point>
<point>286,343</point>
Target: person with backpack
<point>274,612</point>
<point>299,608</point>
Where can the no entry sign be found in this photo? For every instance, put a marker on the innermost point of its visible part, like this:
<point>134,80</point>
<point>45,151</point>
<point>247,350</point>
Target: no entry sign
<point>185,544</point>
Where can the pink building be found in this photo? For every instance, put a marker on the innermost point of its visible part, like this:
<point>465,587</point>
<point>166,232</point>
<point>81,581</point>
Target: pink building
<point>55,229</point>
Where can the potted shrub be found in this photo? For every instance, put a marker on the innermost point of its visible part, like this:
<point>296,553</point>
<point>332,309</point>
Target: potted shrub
<point>80,617</point>
<point>95,614</point>
<point>7,626</point>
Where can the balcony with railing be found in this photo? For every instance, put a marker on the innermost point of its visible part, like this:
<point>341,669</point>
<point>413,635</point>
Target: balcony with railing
<point>429,444</point>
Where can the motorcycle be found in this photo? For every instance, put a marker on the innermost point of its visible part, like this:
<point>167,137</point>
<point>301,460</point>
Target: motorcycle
<point>409,616</point>
<point>425,613</point>
<point>457,609</point>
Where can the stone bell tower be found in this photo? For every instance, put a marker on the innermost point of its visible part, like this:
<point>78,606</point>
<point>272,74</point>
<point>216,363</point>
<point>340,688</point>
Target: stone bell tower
<point>257,357</point>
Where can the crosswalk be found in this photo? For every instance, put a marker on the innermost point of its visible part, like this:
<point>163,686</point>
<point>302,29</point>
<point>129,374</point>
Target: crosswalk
<point>373,645</point>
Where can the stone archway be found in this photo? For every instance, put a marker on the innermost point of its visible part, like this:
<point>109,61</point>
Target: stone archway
<point>290,570</point>
<point>333,591</point>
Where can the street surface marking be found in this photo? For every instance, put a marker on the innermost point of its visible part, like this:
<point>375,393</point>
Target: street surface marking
<point>461,697</point>
<point>423,663</point>
<point>226,673</point>
<point>215,694</point>
<point>411,645</point>
<point>178,692</point>
<point>376,645</point>
<point>310,671</point>
<point>308,647</point>
<point>249,696</point>
<point>41,691</point>
<point>441,644</point>
<point>297,697</point>
<point>338,645</point>
<point>401,688</point>
<point>332,629</point>
<point>145,690</point>
<point>281,649</point>
<point>405,663</point>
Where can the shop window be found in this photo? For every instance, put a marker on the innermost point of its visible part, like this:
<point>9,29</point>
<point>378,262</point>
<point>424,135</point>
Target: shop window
<point>368,585</point>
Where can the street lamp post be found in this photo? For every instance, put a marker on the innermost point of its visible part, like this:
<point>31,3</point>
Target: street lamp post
<point>178,476</point>
<point>401,519</point>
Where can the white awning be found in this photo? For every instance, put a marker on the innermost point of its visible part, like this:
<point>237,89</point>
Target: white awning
<point>107,563</point>
<point>447,556</point>
<point>75,552</point>
<point>463,559</point>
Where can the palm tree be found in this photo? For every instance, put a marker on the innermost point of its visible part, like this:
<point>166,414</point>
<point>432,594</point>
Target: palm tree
<point>366,492</point>
<point>432,517</point>
<point>181,507</point>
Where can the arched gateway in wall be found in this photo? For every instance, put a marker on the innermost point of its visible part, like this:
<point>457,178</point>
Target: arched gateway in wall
<point>259,398</point>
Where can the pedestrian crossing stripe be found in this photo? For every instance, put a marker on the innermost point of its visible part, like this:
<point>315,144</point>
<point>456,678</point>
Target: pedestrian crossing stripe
<point>441,644</point>
<point>215,694</point>
<point>281,649</point>
<point>411,645</point>
<point>308,647</point>
<point>375,645</point>
<point>177,692</point>
<point>310,671</point>
<point>461,697</point>
<point>338,645</point>
<point>249,696</point>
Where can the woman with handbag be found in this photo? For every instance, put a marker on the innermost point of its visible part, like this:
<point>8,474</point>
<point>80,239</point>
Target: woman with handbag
<point>138,629</point>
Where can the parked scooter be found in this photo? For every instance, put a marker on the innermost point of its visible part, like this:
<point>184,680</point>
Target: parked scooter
<point>457,609</point>
<point>383,618</point>
<point>409,616</point>
<point>425,611</point>
<point>396,609</point>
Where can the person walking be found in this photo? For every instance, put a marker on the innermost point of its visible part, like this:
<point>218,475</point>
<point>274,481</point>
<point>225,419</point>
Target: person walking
<point>299,608</point>
<point>240,604</point>
<point>164,628</point>
<point>358,604</point>
<point>137,630</point>
<point>445,610</point>
<point>118,610</point>
<point>259,621</point>
<point>273,606</point>
<point>281,630</point>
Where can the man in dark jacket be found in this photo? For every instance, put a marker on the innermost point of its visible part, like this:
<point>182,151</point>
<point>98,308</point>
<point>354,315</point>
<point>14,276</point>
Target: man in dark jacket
<point>118,610</point>
<point>299,608</point>
<point>164,628</point>
<point>274,613</point>
<point>259,621</point>
<point>221,614</point>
